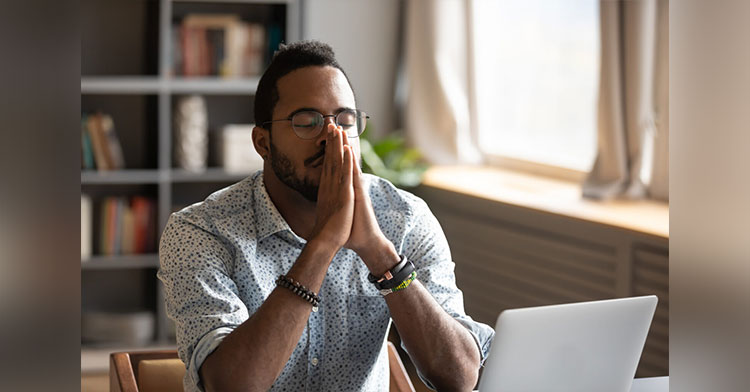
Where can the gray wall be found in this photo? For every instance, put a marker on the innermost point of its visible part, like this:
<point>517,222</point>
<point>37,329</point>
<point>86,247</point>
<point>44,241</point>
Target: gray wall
<point>364,35</point>
<point>709,49</point>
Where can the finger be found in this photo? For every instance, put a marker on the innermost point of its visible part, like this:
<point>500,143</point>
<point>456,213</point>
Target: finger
<point>327,160</point>
<point>345,135</point>
<point>346,178</point>
<point>337,150</point>
<point>357,171</point>
<point>329,156</point>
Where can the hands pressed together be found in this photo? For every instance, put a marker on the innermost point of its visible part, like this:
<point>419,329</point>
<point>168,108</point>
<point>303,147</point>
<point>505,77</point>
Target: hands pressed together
<point>345,217</point>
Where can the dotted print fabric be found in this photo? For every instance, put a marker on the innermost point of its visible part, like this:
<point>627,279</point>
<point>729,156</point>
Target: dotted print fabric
<point>219,260</point>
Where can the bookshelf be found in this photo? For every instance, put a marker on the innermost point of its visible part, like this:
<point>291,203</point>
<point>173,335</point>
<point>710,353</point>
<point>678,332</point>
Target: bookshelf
<point>127,72</point>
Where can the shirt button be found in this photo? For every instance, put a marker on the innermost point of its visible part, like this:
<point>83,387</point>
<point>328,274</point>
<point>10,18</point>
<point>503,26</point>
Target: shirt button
<point>314,361</point>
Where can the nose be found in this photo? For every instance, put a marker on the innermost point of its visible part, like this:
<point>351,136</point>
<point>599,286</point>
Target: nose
<point>330,119</point>
<point>321,139</point>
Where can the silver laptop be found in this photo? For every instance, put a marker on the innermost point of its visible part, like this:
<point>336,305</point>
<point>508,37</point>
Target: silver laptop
<point>587,346</point>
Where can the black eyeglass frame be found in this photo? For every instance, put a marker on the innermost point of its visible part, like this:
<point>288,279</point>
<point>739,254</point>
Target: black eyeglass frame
<point>359,114</point>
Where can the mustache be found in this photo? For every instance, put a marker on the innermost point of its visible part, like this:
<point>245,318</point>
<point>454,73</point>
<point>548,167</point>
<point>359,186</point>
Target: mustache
<point>310,160</point>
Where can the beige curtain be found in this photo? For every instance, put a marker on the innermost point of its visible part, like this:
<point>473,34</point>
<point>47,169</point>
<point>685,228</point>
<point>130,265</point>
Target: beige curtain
<point>439,95</point>
<point>633,110</point>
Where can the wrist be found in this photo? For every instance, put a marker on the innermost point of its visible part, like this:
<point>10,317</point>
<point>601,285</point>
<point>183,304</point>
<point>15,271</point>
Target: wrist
<point>321,249</point>
<point>380,257</point>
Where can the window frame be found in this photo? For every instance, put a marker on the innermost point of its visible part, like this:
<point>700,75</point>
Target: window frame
<point>535,168</point>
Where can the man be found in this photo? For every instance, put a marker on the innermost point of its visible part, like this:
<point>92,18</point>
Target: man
<point>269,281</point>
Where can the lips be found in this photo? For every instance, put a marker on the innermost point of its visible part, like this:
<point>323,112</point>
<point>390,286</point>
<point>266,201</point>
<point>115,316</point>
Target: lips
<point>315,160</point>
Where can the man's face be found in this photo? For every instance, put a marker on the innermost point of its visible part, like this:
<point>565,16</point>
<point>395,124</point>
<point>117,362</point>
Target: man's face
<point>298,162</point>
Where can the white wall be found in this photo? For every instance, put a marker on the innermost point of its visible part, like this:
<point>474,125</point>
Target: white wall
<point>364,35</point>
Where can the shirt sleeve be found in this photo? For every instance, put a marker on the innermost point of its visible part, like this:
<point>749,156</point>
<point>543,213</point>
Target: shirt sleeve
<point>200,296</point>
<point>426,246</point>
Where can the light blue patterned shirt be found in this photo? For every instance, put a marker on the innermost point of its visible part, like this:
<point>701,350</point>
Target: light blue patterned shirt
<point>220,259</point>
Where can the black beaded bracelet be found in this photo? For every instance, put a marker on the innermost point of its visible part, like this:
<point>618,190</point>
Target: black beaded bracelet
<point>299,289</point>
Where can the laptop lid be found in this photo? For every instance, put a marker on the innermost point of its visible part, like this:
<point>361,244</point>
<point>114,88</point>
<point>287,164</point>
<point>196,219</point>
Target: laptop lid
<point>586,346</point>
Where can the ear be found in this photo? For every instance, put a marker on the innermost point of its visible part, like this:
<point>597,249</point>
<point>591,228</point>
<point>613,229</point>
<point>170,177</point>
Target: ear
<point>262,142</point>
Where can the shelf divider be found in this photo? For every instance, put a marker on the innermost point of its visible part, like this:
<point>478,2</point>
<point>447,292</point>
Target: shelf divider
<point>99,262</point>
<point>168,85</point>
<point>126,176</point>
<point>209,175</point>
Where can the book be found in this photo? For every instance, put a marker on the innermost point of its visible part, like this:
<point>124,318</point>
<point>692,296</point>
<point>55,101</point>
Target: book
<point>237,40</point>
<point>274,41</point>
<point>114,149</point>
<point>116,235</point>
<point>87,150</point>
<point>86,230</point>
<point>254,50</point>
<point>93,126</point>
<point>101,148</point>
<point>151,236</point>
<point>128,229</point>
<point>175,54</point>
<point>127,225</point>
<point>104,227</point>
<point>140,223</point>
<point>219,45</point>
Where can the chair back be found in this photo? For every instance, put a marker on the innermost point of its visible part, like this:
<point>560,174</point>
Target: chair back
<point>399,379</point>
<point>145,371</point>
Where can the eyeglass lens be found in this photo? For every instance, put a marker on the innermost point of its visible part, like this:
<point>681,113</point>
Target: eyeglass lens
<point>308,124</point>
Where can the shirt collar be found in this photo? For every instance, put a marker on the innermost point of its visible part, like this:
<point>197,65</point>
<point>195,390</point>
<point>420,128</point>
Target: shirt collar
<point>269,220</point>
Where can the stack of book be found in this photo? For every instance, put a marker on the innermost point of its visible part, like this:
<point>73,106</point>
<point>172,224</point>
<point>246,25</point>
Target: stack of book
<point>127,225</point>
<point>100,146</point>
<point>220,45</point>
<point>234,150</point>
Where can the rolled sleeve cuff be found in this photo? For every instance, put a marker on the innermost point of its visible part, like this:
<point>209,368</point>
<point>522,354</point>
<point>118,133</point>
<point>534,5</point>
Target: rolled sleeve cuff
<point>482,335</point>
<point>206,345</point>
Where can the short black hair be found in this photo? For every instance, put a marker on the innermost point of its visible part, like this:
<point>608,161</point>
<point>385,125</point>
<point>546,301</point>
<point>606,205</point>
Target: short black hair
<point>288,58</point>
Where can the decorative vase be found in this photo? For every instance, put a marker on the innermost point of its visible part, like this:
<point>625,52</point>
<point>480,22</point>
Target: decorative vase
<point>191,133</point>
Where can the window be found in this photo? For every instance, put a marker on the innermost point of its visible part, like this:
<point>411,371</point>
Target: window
<point>537,73</point>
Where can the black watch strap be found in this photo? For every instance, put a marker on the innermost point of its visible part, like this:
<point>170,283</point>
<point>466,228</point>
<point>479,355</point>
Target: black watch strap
<point>397,278</point>
<point>393,271</point>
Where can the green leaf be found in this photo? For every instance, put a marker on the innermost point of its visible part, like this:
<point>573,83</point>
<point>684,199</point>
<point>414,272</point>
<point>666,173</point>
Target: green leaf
<point>391,159</point>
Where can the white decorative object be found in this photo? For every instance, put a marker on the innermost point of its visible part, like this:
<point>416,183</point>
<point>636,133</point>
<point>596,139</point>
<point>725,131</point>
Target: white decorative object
<point>235,151</point>
<point>191,133</point>
<point>134,328</point>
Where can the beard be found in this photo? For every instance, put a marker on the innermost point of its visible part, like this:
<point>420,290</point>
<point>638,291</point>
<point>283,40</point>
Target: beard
<point>284,169</point>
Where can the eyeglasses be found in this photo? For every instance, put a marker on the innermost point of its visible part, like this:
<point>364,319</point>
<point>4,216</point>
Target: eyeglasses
<point>307,124</point>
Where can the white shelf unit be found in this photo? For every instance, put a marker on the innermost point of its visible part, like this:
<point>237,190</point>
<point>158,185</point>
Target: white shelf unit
<point>171,187</point>
<point>156,85</point>
<point>120,262</point>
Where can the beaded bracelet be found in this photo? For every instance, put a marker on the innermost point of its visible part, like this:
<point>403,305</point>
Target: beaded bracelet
<point>299,289</point>
<point>401,286</point>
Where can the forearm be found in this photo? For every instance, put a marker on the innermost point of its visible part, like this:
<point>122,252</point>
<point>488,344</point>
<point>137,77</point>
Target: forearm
<point>421,322</point>
<point>255,353</point>
<point>441,348</point>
